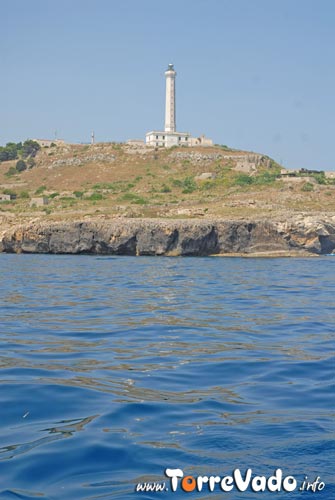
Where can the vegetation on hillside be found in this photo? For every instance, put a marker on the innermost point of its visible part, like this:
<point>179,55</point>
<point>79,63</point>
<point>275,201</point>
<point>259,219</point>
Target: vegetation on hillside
<point>114,179</point>
<point>13,151</point>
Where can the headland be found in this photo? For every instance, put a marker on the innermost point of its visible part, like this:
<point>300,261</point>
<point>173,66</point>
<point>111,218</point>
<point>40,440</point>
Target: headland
<point>112,198</point>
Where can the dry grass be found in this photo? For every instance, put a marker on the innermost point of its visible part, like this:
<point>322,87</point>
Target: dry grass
<point>114,181</point>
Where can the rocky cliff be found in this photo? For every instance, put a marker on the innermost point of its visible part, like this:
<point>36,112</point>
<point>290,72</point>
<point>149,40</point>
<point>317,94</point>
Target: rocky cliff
<point>299,236</point>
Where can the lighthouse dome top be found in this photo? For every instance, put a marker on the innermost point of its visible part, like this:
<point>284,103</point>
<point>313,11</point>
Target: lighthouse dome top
<point>170,67</point>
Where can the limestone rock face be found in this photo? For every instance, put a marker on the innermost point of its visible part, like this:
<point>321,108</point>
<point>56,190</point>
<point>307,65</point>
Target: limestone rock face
<point>298,236</point>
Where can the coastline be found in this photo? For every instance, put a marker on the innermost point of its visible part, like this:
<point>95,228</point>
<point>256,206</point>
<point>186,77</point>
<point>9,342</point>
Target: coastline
<point>300,236</point>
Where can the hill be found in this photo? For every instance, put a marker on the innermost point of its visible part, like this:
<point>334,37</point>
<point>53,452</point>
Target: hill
<point>120,180</point>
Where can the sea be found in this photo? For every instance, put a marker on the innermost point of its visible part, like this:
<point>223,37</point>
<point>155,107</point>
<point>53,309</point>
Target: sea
<point>166,377</point>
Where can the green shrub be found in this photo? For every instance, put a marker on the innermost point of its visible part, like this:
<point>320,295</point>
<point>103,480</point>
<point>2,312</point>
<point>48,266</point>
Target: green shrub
<point>134,198</point>
<point>165,189</point>
<point>24,195</point>
<point>10,192</point>
<point>265,178</point>
<point>21,166</point>
<point>95,197</point>
<point>140,201</point>
<point>78,194</point>
<point>177,182</point>
<point>320,178</point>
<point>11,171</point>
<point>53,195</point>
<point>115,187</point>
<point>188,184</point>
<point>31,162</point>
<point>10,151</point>
<point>208,185</point>
<point>129,197</point>
<point>103,185</point>
<point>3,155</point>
<point>40,190</point>
<point>261,179</point>
<point>243,180</point>
<point>307,187</point>
<point>30,148</point>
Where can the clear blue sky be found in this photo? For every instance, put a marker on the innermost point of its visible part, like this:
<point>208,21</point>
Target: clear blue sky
<point>253,74</point>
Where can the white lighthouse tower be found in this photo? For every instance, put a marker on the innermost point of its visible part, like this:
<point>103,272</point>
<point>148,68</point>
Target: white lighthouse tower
<point>170,137</point>
<point>170,100</point>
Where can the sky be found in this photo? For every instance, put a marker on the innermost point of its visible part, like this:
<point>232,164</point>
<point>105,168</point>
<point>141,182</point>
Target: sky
<point>256,75</point>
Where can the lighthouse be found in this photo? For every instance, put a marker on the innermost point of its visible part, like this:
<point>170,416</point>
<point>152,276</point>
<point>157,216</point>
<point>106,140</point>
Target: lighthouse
<point>169,137</point>
<point>170,99</point>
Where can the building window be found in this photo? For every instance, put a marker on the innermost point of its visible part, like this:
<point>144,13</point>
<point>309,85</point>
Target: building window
<point>179,138</point>
<point>186,138</point>
<point>163,137</point>
<point>156,136</point>
<point>156,143</point>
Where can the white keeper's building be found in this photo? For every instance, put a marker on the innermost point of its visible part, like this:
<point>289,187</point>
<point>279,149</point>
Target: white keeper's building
<point>170,137</point>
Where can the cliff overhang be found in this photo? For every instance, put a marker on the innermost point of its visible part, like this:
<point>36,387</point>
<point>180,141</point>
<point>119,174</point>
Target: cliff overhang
<point>189,237</point>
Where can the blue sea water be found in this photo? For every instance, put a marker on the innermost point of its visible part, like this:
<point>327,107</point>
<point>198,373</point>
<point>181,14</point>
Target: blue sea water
<point>113,369</point>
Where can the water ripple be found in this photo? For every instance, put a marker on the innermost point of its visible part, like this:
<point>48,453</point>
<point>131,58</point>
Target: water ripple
<point>112,369</point>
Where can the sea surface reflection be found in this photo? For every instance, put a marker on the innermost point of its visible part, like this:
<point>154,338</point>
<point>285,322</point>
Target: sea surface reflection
<point>114,368</point>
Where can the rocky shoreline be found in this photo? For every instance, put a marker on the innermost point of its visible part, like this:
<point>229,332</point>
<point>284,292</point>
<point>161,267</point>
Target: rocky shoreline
<point>299,236</point>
